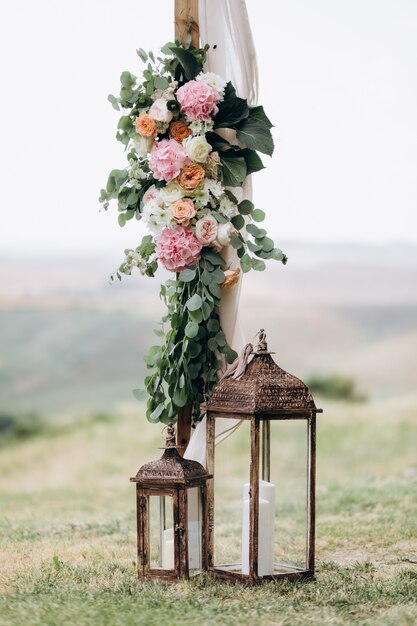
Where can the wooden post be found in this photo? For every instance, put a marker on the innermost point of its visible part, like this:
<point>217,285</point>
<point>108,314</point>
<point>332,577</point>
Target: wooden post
<point>186,20</point>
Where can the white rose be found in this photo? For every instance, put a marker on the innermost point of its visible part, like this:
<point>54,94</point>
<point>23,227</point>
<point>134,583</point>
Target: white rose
<point>159,111</point>
<point>142,145</point>
<point>224,234</point>
<point>171,193</point>
<point>197,148</point>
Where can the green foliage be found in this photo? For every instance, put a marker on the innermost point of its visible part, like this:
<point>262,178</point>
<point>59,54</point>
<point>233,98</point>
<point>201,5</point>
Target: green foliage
<point>335,387</point>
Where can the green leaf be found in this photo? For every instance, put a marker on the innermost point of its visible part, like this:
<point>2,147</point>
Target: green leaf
<point>246,263</point>
<point>253,160</point>
<point>255,231</point>
<point>266,243</point>
<point>187,275</point>
<point>114,102</point>
<point>188,61</point>
<point>255,136</point>
<point>125,123</point>
<point>206,310</point>
<point>156,414</point>
<point>127,79</point>
<point>231,112</point>
<point>213,257</point>
<point>233,169</point>
<point>142,54</point>
<point>196,316</point>
<point>140,394</point>
<point>180,397</point>
<point>212,344</point>
<point>213,325</point>
<point>236,242</point>
<point>121,219</point>
<point>278,255</point>
<point>194,349</point>
<point>160,82</point>
<point>167,48</point>
<point>221,339</point>
<point>194,302</point>
<point>191,330</point>
<point>258,113</point>
<point>245,207</point>
<point>238,222</point>
<point>229,92</point>
<point>258,215</point>
<point>218,275</point>
<point>258,265</point>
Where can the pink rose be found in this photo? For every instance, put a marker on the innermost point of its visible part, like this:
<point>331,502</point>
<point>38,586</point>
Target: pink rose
<point>152,194</point>
<point>177,248</point>
<point>168,157</point>
<point>206,230</point>
<point>198,101</point>
<point>159,111</point>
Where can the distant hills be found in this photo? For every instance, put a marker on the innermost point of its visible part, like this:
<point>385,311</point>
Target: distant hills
<point>71,342</point>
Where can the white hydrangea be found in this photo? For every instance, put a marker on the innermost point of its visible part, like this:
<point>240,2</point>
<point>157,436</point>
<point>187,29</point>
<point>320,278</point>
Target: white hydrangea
<point>155,217</point>
<point>213,80</point>
<point>227,207</point>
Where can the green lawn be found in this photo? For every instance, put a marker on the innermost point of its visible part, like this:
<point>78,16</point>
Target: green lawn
<point>67,529</point>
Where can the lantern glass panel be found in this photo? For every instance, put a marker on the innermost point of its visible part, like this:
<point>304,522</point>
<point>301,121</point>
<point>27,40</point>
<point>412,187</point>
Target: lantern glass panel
<point>231,472</point>
<point>287,486</point>
<point>161,532</point>
<point>194,529</point>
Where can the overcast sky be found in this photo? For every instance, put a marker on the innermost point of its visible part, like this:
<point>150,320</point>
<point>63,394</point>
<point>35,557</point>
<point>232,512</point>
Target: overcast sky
<point>338,79</point>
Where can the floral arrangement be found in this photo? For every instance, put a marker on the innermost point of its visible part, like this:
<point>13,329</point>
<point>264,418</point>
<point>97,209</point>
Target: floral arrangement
<point>178,182</point>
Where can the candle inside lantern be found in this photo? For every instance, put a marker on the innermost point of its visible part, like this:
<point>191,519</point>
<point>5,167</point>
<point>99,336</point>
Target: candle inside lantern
<point>168,549</point>
<point>194,529</point>
<point>266,528</point>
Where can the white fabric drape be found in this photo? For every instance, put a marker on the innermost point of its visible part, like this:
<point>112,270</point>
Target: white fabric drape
<point>224,25</point>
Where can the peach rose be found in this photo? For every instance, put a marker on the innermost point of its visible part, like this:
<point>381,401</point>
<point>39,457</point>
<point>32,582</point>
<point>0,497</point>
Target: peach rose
<point>182,211</point>
<point>145,125</point>
<point>231,277</point>
<point>179,130</point>
<point>191,176</point>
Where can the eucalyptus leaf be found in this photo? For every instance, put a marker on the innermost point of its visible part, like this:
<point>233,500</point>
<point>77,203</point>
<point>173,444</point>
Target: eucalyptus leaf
<point>258,265</point>
<point>194,302</point>
<point>245,263</point>
<point>245,207</point>
<point>191,330</point>
<point>187,275</point>
<point>238,222</point>
<point>258,215</point>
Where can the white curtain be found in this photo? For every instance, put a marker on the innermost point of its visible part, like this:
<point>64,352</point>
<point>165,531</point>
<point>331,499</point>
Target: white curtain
<point>224,25</point>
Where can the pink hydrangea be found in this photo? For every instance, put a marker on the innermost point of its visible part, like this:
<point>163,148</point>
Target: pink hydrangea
<point>167,159</point>
<point>198,101</point>
<point>177,248</point>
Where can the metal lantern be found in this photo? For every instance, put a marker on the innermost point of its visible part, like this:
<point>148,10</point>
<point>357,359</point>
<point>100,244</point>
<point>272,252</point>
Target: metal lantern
<point>171,511</point>
<point>265,528</point>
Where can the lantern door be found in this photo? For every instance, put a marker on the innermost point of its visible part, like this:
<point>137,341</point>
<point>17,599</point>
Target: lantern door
<point>158,536</point>
<point>262,502</point>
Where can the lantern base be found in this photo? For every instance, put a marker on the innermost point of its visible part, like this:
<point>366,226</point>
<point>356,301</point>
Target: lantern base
<point>233,573</point>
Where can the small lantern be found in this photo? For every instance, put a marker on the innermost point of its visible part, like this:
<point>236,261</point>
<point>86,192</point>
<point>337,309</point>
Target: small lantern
<point>171,512</point>
<point>265,528</point>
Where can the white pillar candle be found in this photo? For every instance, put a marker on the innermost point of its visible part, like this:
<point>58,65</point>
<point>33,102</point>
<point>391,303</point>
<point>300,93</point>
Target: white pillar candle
<point>168,549</point>
<point>266,528</point>
<point>194,529</point>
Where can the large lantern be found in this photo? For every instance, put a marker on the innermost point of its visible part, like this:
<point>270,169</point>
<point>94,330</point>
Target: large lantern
<point>262,527</point>
<point>171,512</point>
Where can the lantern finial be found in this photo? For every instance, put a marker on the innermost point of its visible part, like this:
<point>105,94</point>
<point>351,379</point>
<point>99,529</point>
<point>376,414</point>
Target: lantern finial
<point>262,346</point>
<point>170,436</point>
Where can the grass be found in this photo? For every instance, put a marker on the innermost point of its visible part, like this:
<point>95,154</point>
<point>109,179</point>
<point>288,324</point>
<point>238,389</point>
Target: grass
<point>67,529</point>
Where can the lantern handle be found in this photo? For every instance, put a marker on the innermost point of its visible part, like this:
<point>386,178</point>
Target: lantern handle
<point>170,439</point>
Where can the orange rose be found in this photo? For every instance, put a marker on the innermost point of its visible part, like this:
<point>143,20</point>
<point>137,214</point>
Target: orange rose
<point>179,130</point>
<point>145,125</point>
<point>191,176</point>
<point>231,277</point>
<point>183,210</point>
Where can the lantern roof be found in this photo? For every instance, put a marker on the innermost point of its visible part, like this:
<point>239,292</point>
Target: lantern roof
<point>171,467</point>
<point>260,386</point>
